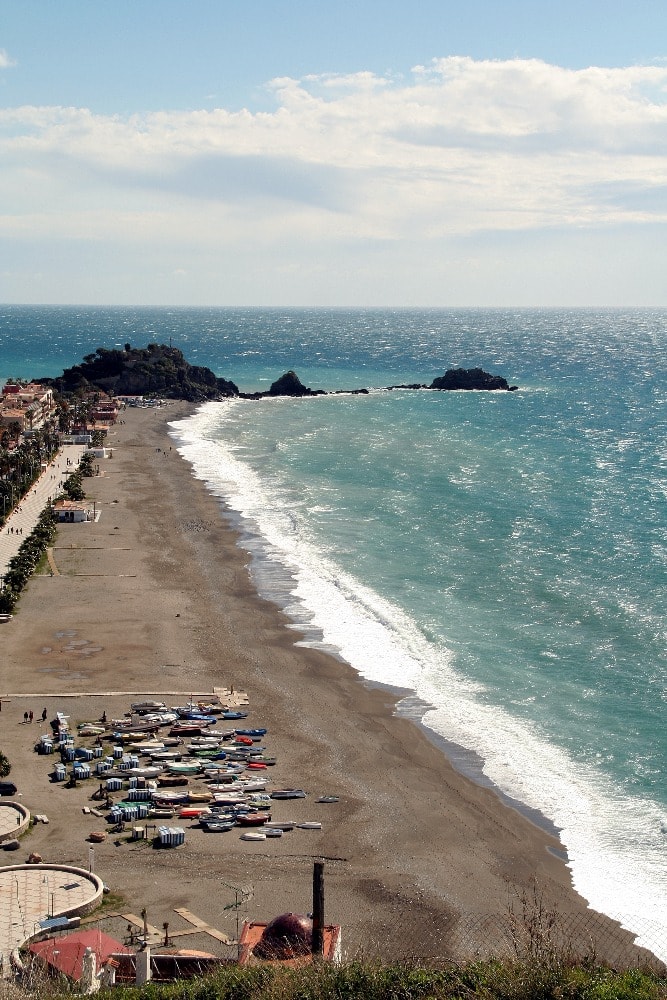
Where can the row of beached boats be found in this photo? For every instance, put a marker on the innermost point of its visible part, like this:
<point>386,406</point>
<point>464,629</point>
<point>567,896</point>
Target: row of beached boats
<point>202,770</point>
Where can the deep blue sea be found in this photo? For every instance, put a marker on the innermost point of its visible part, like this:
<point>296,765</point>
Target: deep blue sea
<point>501,557</point>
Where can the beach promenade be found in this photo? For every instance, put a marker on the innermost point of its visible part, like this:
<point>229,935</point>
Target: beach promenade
<point>25,515</point>
<point>156,596</point>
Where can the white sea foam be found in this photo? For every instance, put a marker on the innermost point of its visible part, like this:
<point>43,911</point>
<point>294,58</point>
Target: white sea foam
<point>615,842</point>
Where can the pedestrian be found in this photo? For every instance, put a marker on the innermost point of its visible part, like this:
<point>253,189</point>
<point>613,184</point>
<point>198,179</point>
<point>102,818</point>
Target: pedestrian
<point>25,716</point>
<point>31,716</point>
<point>44,715</point>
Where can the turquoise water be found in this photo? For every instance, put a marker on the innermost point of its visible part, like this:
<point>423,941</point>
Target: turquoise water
<point>502,556</point>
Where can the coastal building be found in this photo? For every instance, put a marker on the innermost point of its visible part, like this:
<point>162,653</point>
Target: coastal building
<point>30,405</point>
<point>65,955</point>
<point>76,511</point>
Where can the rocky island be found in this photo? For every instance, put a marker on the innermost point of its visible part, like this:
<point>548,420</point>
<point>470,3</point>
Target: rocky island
<point>162,370</point>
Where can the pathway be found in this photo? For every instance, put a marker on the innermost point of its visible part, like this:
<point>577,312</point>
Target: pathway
<point>23,518</point>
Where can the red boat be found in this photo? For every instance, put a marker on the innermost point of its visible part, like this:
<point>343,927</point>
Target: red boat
<point>253,819</point>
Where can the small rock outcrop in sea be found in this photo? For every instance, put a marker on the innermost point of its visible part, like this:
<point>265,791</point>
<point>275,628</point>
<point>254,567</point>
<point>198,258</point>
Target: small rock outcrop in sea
<point>470,378</point>
<point>288,384</point>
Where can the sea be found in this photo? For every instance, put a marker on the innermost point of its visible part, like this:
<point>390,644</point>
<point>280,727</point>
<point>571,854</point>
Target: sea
<point>499,558</point>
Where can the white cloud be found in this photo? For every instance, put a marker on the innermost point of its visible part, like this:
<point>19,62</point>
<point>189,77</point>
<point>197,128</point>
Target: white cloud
<point>459,148</point>
<point>6,61</point>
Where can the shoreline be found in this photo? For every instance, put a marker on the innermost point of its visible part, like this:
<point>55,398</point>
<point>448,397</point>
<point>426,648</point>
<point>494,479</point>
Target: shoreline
<point>161,588</point>
<point>464,760</point>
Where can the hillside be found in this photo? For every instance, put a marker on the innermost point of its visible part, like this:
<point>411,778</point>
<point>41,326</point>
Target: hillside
<point>153,370</point>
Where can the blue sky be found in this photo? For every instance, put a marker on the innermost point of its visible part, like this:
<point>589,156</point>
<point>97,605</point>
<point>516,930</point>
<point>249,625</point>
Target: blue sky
<point>375,152</point>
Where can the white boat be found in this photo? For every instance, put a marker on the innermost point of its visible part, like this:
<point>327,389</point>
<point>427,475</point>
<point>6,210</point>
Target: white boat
<point>254,785</point>
<point>309,825</point>
<point>252,835</point>
<point>148,706</point>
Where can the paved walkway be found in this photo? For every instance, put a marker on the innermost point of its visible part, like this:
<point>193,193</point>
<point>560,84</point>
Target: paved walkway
<point>32,893</point>
<point>23,519</point>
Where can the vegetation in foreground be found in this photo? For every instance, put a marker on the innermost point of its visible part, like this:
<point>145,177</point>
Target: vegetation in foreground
<point>491,980</point>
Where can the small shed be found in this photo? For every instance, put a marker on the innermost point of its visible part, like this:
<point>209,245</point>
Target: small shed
<point>75,511</point>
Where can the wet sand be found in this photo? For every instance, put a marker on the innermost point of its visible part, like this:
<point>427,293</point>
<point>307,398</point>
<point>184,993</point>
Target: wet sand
<point>156,597</point>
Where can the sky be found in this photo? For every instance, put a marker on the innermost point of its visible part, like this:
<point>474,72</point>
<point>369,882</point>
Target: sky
<point>349,153</point>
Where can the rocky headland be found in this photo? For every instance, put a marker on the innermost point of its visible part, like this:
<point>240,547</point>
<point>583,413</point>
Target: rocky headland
<point>161,370</point>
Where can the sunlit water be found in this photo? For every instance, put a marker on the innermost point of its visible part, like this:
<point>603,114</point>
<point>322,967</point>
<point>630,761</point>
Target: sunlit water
<point>501,556</point>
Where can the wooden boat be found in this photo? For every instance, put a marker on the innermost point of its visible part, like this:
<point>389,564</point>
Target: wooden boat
<point>328,798</point>
<point>144,772</point>
<point>253,818</point>
<point>90,729</point>
<point>284,825</point>
<point>192,812</point>
<point>170,798</point>
<point>136,728</point>
<point>184,767</point>
<point>212,825</point>
<point>309,825</point>
<point>147,706</point>
<point>256,785</point>
<point>251,732</point>
<point>230,714</point>
<point>190,728</point>
<point>252,835</point>
<point>288,793</point>
<point>228,799</point>
<point>273,831</point>
<point>172,780</point>
<point>161,812</point>
<point>200,796</point>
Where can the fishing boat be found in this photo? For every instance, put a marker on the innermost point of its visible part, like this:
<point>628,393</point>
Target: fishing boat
<point>213,825</point>
<point>147,706</point>
<point>256,785</point>
<point>199,796</point>
<point>192,812</point>
<point>172,780</point>
<point>228,798</point>
<point>168,798</point>
<point>190,728</point>
<point>161,812</point>
<point>144,772</point>
<point>253,818</point>
<point>184,767</point>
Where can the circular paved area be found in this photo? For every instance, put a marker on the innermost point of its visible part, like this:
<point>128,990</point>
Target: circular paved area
<point>32,893</point>
<point>14,818</point>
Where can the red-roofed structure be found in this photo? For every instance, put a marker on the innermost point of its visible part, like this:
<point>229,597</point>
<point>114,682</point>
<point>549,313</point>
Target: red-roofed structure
<point>65,954</point>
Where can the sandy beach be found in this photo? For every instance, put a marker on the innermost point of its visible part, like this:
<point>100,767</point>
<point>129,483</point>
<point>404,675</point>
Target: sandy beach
<point>156,597</point>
